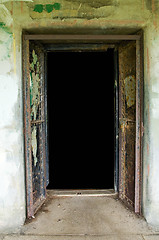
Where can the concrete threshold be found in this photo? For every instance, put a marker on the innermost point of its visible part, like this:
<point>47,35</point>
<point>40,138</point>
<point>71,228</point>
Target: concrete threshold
<point>74,215</point>
<point>83,192</point>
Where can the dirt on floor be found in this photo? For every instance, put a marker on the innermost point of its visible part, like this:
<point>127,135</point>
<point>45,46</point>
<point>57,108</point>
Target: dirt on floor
<point>84,216</point>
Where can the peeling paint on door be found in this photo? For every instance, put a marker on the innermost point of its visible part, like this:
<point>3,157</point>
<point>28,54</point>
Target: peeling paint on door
<point>36,129</point>
<point>34,86</point>
<point>34,144</point>
<point>130,87</point>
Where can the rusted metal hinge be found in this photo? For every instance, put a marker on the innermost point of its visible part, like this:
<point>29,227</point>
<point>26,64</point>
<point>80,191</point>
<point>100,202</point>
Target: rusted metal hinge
<point>37,121</point>
<point>142,129</point>
<point>123,123</point>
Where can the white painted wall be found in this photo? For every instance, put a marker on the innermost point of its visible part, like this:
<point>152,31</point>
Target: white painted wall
<point>20,15</point>
<point>12,188</point>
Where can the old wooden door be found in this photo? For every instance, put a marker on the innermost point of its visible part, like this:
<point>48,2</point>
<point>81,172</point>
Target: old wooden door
<point>127,121</point>
<point>34,125</point>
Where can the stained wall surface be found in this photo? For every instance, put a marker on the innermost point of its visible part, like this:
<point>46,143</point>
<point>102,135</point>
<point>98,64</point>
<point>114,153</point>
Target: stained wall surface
<point>71,16</point>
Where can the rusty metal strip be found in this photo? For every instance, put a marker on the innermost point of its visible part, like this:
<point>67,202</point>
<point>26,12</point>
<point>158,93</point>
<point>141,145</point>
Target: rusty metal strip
<point>116,120</point>
<point>46,121</point>
<point>121,135</point>
<point>27,129</point>
<point>81,37</point>
<point>79,47</point>
<point>37,121</point>
<point>127,119</point>
<point>43,178</point>
<point>138,130</point>
<point>38,204</point>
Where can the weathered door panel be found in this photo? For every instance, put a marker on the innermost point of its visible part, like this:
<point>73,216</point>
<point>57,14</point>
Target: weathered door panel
<point>34,119</point>
<point>127,120</point>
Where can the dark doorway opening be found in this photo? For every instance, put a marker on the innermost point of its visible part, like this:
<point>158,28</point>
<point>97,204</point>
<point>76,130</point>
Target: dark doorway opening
<point>81,119</point>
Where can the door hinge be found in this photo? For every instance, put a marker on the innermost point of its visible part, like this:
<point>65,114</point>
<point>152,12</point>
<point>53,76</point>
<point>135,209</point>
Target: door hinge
<point>142,129</point>
<point>123,124</point>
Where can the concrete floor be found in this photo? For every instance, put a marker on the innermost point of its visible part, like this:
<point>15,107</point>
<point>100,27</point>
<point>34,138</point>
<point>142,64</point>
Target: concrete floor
<point>84,217</point>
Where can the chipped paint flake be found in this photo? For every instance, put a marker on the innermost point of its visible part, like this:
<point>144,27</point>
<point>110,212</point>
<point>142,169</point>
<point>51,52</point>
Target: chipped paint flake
<point>34,85</point>
<point>34,144</point>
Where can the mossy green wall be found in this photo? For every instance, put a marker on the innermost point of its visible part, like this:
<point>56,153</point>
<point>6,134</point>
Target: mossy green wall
<point>76,16</point>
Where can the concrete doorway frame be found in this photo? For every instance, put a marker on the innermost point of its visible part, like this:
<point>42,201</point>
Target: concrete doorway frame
<point>111,39</point>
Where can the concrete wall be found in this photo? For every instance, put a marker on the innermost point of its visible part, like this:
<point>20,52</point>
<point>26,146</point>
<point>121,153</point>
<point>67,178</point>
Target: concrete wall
<point>72,16</point>
<point>12,200</point>
<point>151,119</point>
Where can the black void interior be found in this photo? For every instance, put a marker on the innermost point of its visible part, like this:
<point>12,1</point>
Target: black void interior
<point>81,120</point>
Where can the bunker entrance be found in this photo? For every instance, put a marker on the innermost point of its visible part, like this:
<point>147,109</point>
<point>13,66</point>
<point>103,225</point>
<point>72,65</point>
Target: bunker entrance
<point>81,119</point>
<point>82,115</point>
